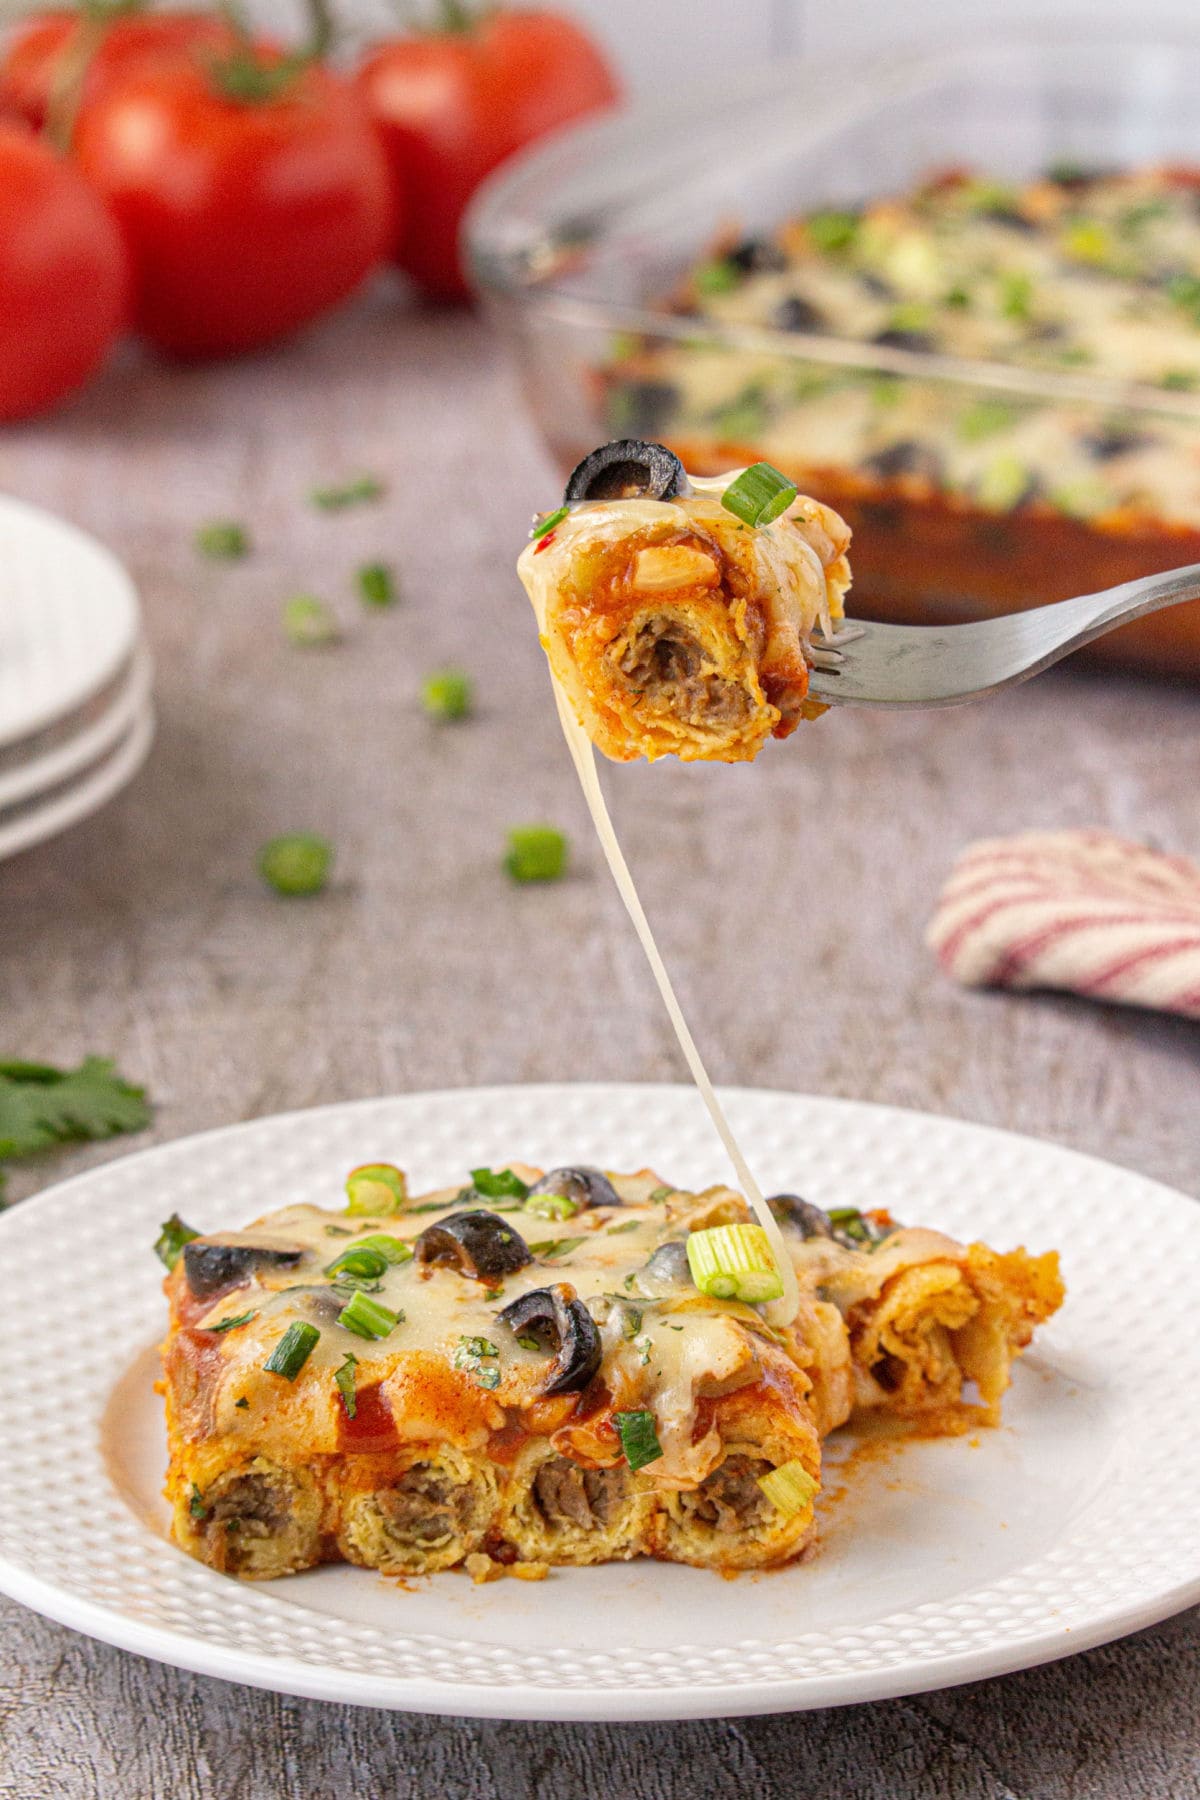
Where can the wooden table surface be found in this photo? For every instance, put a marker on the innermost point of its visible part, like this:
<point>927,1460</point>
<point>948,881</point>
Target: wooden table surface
<point>790,898</point>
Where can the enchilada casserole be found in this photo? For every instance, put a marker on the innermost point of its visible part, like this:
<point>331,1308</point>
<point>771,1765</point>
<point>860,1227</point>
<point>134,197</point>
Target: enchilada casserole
<point>564,1368</point>
<point>1006,497</point>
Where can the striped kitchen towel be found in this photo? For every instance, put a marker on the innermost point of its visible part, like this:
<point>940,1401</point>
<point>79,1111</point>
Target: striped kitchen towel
<point>1082,910</point>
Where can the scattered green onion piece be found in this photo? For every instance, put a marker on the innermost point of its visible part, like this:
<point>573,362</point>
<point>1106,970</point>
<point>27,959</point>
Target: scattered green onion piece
<point>662,1193</point>
<point>375,1188</point>
<point>446,694</point>
<point>498,1184</point>
<point>528,1343</point>
<point>985,418</point>
<point>394,1250</point>
<point>536,853</point>
<point>347,1384</point>
<point>759,495</point>
<point>224,540</point>
<point>197,1505</point>
<point>850,1222</point>
<point>1016,295</point>
<point>832,231</point>
<point>551,1206</point>
<point>789,1488</point>
<point>293,1350</point>
<point>338,1231</point>
<point>734,1262</point>
<point>549,1247</point>
<point>1180,381</point>
<point>232,1324</point>
<point>173,1234</point>
<point>359,1259</point>
<point>548,523</point>
<point>349,493</point>
<point>639,1438</point>
<point>297,864</point>
<point>716,277</point>
<point>368,1318</point>
<point>616,1230</point>
<point>307,621</point>
<point>377,585</point>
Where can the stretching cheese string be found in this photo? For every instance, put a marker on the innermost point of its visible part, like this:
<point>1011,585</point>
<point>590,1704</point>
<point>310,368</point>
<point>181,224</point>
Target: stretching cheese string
<point>783,1310</point>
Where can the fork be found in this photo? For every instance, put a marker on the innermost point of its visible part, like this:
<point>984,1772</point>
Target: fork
<point>943,665</point>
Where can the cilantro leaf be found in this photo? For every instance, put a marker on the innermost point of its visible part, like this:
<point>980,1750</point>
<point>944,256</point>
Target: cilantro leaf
<point>41,1106</point>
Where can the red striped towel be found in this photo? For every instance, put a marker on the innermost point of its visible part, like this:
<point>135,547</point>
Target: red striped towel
<point>1082,910</point>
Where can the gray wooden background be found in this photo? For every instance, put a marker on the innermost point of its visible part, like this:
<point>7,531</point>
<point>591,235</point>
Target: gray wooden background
<point>790,898</point>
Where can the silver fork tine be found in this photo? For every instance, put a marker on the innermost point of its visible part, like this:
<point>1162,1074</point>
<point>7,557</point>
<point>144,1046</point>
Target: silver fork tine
<point>944,665</point>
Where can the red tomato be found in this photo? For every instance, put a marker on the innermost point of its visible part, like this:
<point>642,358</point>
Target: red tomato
<point>62,276</point>
<point>35,59</point>
<point>244,219</point>
<point>452,105</point>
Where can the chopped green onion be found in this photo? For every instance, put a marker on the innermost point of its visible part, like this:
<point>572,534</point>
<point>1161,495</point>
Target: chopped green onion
<point>338,1231</point>
<point>548,523</point>
<point>1016,295</point>
<point>1180,381</point>
<point>197,1505</point>
<point>439,1205</point>
<point>293,1350</point>
<point>224,540</point>
<point>377,585</point>
<point>984,418</point>
<point>307,621</point>
<point>173,1234</point>
<point>662,1193</point>
<point>536,853</point>
<point>497,1184</point>
<point>294,865</point>
<point>551,1206</point>
<point>548,1247</point>
<point>359,1259</point>
<point>347,1385</point>
<point>478,1346</point>
<point>394,1250</point>
<point>232,1324</point>
<point>716,277</point>
<point>831,231</point>
<point>789,1488</point>
<point>528,1343</point>
<point>368,1318</point>
<point>759,494</point>
<point>446,694</point>
<point>349,493</point>
<point>734,1262</point>
<point>639,1438</point>
<point>850,1222</point>
<point>616,1230</point>
<point>1003,484</point>
<point>375,1188</point>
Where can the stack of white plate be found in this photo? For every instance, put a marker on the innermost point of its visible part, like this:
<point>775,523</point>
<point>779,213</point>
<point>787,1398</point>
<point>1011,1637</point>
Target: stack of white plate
<point>76,718</point>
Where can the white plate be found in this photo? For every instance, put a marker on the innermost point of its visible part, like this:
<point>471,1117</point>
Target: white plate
<point>947,1561</point>
<point>44,816</point>
<point>68,619</point>
<point>53,756</point>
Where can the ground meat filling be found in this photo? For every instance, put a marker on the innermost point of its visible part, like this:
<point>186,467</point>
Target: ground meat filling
<point>730,1500</point>
<point>669,665</point>
<point>565,1494</point>
<point>425,1508</point>
<point>253,1501</point>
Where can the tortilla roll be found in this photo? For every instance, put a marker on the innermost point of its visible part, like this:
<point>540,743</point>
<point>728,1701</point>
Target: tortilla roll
<point>675,629</point>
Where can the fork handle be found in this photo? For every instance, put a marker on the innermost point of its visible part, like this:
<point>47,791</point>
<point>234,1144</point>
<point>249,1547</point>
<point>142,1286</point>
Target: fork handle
<point>1089,616</point>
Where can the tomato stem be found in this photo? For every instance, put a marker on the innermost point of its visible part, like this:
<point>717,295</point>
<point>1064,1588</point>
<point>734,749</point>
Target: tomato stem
<point>67,83</point>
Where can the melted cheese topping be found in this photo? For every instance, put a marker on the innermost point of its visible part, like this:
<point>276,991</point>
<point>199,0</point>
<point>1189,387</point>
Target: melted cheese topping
<point>661,1350</point>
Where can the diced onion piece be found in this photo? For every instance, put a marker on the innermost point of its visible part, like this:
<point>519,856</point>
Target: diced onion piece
<point>375,1188</point>
<point>789,1488</point>
<point>665,566</point>
<point>734,1262</point>
<point>759,494</point>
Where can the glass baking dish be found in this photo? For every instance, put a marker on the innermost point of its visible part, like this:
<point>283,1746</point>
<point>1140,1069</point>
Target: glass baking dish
<point>580,248</point>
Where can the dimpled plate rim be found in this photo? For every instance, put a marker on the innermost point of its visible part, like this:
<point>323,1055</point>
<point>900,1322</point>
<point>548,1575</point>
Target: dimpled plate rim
<point>1124,1562</point>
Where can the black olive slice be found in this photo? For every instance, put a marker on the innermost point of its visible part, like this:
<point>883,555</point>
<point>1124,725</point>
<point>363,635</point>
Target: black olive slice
<point>666,1270</point>
<point>627,469</point>
<point>895,337</point>
<point>562,1324</point>
<point>808,1220</point>
<point>585,1186</point>
<point>905,457</point>
<point>211,1266</point>
<point>478,1244</point>
<point>795,313</point>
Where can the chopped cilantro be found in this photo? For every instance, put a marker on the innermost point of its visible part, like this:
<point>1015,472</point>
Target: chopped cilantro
<point>41,1106</point>
<point>496,1184</point>
<point>232,1324</point>
<point>377,585</point>
<point>639,1438</point>
<point>548,1247</point>
<point>172,1236</point>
